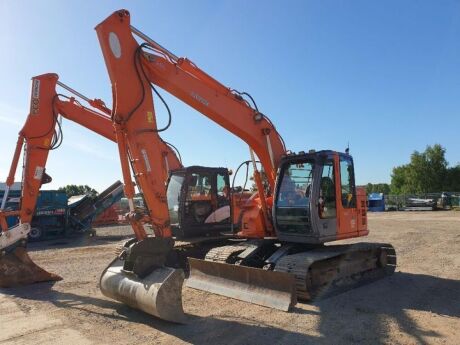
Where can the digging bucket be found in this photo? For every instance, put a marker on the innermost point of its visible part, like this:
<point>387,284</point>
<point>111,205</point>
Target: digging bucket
<point>17,268</point>
<point>267,288</point>
<point>158,294</point>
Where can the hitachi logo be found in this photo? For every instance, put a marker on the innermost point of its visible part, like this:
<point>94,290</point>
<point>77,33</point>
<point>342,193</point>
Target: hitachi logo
<point>35,88</point>
<point>199,98</point>
<point>35,99</point>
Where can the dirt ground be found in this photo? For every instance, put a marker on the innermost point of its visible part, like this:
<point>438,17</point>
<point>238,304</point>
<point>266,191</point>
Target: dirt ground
<point>419,304</point>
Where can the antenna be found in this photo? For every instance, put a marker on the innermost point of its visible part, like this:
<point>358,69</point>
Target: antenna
<point>347,150</point>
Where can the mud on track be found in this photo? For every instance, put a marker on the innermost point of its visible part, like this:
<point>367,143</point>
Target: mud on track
<point>419,304</point>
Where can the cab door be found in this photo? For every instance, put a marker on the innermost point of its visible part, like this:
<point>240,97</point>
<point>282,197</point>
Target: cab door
<point>346,198</point>
<point>327,200</point>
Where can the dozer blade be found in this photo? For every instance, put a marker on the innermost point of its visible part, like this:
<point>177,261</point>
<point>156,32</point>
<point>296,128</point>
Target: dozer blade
<point>17,268</point>
<point>267,288</point>
<point>158,294</point>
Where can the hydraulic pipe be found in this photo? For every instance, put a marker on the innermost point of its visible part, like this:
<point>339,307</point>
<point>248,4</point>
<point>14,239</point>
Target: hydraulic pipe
<point>155,44</point>
<point>14,165</point>
<point>261,191</point>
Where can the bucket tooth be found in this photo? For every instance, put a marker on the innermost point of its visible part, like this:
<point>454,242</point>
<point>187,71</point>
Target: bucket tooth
<point>267,288</point>
<point>17,268</point>
<point>158,293</point>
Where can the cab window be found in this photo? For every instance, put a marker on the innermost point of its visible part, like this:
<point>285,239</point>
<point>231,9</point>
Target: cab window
<point>222,187</point>
<point>295,185</point>
<point>347,181</point>
<point>327,205</point>
<point>293,197</point>
<point>199,184</point>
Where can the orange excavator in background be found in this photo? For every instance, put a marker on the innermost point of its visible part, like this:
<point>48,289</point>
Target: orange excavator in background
<point>38,137</point>
<point>310,200</point>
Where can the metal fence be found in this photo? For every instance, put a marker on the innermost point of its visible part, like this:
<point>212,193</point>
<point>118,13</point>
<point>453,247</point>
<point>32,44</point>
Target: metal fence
<point>450,200</point>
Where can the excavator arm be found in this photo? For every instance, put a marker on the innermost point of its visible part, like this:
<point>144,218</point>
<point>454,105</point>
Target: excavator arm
<point>134,67</point>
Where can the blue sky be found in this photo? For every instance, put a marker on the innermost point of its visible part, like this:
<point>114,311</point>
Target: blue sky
<point>382,75</point>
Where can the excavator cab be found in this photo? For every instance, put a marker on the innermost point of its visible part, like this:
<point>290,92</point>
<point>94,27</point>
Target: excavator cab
<point>199,201</point>
<point>316,199</point>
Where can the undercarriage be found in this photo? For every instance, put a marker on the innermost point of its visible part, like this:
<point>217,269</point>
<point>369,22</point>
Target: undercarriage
<point>317,271</point>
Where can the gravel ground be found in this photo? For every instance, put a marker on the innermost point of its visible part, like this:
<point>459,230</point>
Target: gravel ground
<point>419,304</point>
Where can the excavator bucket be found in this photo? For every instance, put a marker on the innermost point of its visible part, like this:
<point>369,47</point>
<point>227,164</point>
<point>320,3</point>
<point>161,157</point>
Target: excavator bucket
<point>17,268</point>
<point>158,294</point>
<point>267,288</point>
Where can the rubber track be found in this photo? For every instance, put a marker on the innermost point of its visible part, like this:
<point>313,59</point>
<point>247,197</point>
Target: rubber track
<point>299,265</point>
<point>224,253</point>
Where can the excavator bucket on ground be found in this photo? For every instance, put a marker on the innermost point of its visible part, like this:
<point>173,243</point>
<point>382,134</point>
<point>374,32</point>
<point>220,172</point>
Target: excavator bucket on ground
<point>17,268</point>
<point>267,288</point>
<point>156,290</point>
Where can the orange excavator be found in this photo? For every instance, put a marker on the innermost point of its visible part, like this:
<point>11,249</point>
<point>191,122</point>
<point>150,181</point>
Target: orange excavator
<point>309,199</point>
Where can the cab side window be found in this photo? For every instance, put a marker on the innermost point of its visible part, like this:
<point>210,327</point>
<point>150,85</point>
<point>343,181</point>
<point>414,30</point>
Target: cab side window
<point>327,192</point>
<point>347,181</point>
<point>222,187</point>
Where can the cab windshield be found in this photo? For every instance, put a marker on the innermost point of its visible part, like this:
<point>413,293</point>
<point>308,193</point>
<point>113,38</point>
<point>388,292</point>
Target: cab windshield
<point>293,197</point>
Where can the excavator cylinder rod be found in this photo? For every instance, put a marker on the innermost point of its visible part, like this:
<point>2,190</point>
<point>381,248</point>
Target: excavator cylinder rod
<point>158,294</point>
<point>76,93</point>
<point>17,268</point>
<point>253,285</point>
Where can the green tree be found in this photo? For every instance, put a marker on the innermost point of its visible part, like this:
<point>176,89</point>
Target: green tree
<point>378,188</point>
<point>400,179</point>
<point>72,190</point>
<point>453,179</point>
<point>426,172</point>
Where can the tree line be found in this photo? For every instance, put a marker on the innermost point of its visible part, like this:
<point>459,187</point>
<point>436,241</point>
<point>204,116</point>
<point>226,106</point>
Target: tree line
<point>72,190</point>
<point>427,172</point>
